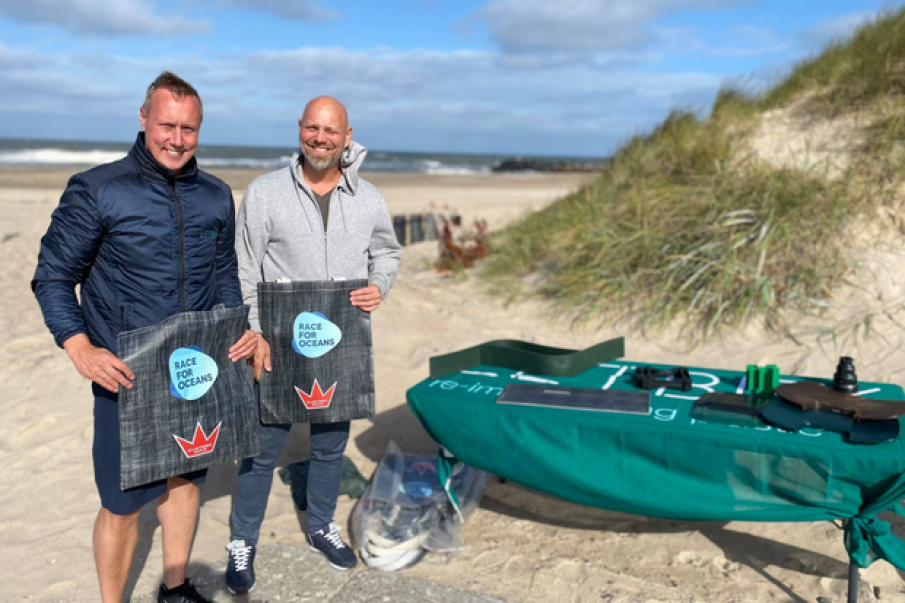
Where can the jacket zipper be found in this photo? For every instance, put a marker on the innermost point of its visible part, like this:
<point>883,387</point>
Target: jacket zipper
<point>180,246</point>
<point>326,259</point>
<point>320,215</point>
<point>298,185</point>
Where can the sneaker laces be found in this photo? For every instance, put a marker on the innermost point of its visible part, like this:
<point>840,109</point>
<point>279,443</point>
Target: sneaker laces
<point>333,537</point>
<point>239,554</point>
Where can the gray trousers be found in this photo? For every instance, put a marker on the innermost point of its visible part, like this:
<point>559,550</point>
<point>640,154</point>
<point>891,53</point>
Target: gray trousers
<point>328,441</point>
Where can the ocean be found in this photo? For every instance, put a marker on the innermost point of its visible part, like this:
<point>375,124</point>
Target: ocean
<point>85,154</point>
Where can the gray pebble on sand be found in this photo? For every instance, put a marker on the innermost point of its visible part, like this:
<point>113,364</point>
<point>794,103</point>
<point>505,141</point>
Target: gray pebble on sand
<point>289,573</point>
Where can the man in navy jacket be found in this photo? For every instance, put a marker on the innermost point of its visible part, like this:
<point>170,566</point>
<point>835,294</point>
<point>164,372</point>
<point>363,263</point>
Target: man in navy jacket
<point>144,237</point>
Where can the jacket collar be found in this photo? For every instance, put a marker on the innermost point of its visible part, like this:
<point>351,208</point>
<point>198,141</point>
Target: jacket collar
<point>154,169</point>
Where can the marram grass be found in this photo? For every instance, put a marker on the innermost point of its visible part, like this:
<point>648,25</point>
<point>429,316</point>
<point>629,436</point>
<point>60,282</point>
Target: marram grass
<point>852,73</point>
<point>683,224</point>
<point>680,224</point>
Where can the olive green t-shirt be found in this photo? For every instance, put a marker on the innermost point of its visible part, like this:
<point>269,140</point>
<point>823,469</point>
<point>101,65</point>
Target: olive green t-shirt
<point>323,201</point>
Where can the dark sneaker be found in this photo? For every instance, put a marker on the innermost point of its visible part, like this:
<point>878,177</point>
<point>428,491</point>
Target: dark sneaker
<point>240,571</point>
<point>328,543</point>
<point>184,593</point>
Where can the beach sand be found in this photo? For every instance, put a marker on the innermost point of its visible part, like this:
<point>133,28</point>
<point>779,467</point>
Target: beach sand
<point>521,545</point>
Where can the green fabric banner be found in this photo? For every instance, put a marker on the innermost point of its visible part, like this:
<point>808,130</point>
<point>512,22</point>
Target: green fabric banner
<point>528,357</point>
<point>666,464</point>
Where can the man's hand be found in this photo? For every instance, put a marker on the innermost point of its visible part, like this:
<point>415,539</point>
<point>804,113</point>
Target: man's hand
<point>367,299</point>
<point>245,347</point>
<point>261,359</point>
<point>98,364</point>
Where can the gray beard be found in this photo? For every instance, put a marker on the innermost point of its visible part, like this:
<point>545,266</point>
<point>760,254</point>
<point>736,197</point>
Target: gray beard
<point>321,164</point>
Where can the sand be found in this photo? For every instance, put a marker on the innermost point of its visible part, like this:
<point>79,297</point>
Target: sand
<point>521,545</point>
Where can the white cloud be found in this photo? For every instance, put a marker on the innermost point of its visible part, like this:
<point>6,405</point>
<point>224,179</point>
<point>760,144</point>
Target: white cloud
<point>87,85</point>
<point>749,41</point>
<point>102,17</point>
<point>465,100</point>
<point>478,100</point>
<point>834,30</point>
<point>530,25</point>
<point>300,10</point>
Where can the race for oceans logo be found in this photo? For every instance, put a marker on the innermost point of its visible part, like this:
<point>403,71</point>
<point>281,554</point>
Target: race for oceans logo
<point>317,398</point>
<point>201,444</point>
<point>192,373</point>
<point>313,335</point>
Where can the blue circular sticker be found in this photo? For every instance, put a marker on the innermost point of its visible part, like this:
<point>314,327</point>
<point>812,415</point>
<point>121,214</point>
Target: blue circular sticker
<point>313,335</point>
<point>417,490</point>
<point>192,373</point>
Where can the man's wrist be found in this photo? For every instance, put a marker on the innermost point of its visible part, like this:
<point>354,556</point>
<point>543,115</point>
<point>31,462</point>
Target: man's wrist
<point>76,343</point>
<point>380,285</point>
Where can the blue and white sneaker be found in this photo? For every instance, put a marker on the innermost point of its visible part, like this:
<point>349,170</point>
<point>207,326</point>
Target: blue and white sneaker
<point>240,570</point>
<point>328,543</point>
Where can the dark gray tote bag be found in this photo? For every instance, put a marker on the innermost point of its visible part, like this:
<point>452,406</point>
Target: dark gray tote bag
<point>320,346</point>
<point>190,406</point>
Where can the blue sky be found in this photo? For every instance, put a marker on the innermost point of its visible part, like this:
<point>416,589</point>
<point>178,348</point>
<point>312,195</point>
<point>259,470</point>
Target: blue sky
<point>542,77</point>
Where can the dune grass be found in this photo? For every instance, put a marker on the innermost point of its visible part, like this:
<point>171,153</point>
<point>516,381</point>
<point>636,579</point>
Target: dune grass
<point>849,74</point>
<point>683,224</point>
<point>675,226</point>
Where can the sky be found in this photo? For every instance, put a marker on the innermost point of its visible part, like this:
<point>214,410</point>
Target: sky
<point>529,77</point>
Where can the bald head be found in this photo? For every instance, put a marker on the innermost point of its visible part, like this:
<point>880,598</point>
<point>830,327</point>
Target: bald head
<point>326,104</point>
<point>324,133</point>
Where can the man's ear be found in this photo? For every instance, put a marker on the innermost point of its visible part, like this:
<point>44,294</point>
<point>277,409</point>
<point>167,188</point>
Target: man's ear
<point>142,118</point>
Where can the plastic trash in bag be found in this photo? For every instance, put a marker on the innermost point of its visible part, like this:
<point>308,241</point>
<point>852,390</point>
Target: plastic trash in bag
<point>296,477</point>
<point>405,512</point>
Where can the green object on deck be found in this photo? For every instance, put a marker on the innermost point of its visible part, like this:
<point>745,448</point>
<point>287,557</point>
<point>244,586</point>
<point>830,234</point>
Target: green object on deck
<point>762,380</point>
<point>528,357</point>
<point>667,464</point>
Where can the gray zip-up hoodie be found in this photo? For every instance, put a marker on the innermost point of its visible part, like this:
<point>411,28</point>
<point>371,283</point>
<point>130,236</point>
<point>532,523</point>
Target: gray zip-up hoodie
<point>280,232</point>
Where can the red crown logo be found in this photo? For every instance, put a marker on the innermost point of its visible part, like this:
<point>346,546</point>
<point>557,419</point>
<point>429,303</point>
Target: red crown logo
<point>423,467</point>
<point>317,398</point>
<point>200,444</point>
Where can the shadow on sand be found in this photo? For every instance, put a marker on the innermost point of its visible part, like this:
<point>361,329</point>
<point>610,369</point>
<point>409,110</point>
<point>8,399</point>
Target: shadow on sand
<point>400,425</point>
<point>220,482</point>
<point>515,501</point>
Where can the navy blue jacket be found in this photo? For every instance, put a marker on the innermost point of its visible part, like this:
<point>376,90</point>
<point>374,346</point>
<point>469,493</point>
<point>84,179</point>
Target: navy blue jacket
<point>142,244</point>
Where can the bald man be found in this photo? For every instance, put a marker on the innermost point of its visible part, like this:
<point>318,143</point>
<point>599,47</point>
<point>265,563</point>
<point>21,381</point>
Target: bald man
<point>287,221</point>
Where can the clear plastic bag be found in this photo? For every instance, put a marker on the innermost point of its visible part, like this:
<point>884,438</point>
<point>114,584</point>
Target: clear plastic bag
<point>405,512</point>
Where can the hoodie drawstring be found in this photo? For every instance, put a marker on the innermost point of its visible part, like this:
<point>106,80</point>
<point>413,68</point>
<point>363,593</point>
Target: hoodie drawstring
<point>342,209</point>
<point>297,185</point>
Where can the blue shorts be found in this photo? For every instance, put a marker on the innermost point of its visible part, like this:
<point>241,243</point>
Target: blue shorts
<point>106,461</point>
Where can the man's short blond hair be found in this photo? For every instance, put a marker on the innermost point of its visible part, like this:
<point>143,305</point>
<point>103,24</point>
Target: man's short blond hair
<point>168,80</point>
